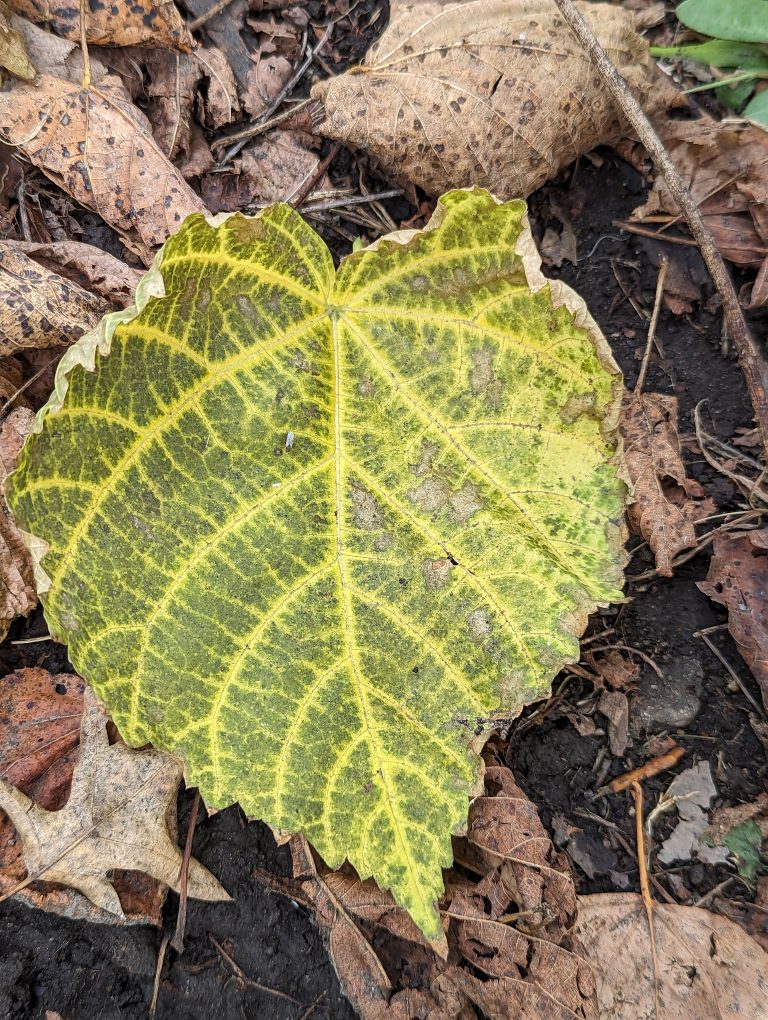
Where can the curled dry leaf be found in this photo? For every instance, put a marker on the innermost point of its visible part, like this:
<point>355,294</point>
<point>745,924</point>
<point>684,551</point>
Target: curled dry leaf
<point>40,308</point>
<point>659,508</point>
<point>708,968</point>
<point>13,50</point>
<point>83,264</point>
<point>738,579</point>
<point>513,926</point>
<point>96,145</point>
<point>18,595</point>
<point>118,23</point>
<point>121,813</point>
<point>725,166</point>
<point>489,93</point>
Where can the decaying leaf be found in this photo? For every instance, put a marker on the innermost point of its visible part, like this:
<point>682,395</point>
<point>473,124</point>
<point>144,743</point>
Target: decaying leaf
<point>117,23</point>
<point>513,926</point>
<point>725,166</point>
<point>18,595</point>
<point>173,81</point>
<point>277,167</point>
<point>40,308</point>
<point>221,104</point>
<point>660,509</point>
<point>490,92</point>
<point>13,51</point>
<point>40,718</point>
<point>692,791</point>
<point>708,968</point>
<point>93,269</point>
<point>738,580</point>
<point>321,529</point>
<point>615,707</point>
<point>96,145</point>
<point>120,813</point>
<point>51,54</point>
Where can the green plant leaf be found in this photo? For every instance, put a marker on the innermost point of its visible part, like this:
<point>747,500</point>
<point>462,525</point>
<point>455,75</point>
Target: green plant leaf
<point>315,531</point>
<point>757,109</point>
<point>717,53</point>
<point>739,20</point>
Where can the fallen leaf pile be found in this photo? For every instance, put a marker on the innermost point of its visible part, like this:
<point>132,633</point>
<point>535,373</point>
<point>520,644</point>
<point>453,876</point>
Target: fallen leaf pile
<point>509,938</point>
<point>120,813</point>
<point>725,166</point>
<point>488,93</point>
<point>738,580</point>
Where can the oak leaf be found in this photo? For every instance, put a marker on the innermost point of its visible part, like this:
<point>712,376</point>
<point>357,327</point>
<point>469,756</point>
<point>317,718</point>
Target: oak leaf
<point>96,145</point>
<point>117,23</point>
<point>311,523</point>
<point>708,968</point>
<point>494,93</point>
<point>659,509</point>
<point>121,806</point>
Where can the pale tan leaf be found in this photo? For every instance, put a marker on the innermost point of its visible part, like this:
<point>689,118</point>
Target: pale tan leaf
<point>96,145</point>
<point>659,509</point>
<point>493,93</point>
<point>117,23</point>
<point>276,167</point>
<point>173,80</point>
<point>120,808</point>
<point>221,103</point>
<point>18,595</point>
<point>83,264</point>
<point>51,54</point>
<point>708,968</point>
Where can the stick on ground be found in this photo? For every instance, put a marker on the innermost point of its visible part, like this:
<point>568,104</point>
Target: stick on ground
<point>751,360</point>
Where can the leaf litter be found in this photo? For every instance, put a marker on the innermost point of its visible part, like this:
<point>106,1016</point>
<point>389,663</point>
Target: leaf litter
<point>195,140</point>
<point>120,813</point>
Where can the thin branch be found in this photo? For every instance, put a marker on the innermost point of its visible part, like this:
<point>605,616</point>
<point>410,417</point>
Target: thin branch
<point>751,360</point>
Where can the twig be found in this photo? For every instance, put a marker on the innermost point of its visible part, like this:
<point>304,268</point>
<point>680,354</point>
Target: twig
<point>652,327</point>
<point>647,771</point>
<point>339,203</point>
<point>277,102</point>
<point>633,651</point>
<point>749,487</point>
<point>645,891</point>
<point>20,195</point>
<point>655,235</point>
<point>181,919</point>
<point>158,974</point>
<point>216,9</point>
<point>314,178</point>
<point>259,128</point>
<point>750,358</point>
<point>84,48</point>
<point>731,671</point>
<point>240,975</point>
<point>27,384</point>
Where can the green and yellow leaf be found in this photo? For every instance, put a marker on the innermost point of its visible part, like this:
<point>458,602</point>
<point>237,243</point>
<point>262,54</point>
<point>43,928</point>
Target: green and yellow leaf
<point>315,531</point>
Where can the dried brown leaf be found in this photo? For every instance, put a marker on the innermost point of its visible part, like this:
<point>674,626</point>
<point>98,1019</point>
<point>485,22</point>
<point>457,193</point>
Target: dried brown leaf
<point>13,49</point>
<point>738,580</point>
<point>39,308</point>
<point>487,92</point>
<point>278,165</point>
<point>173,80</point>
<point>117,23</point>
<point>121,813</point>
<point>725,166</point>
<point>53,55</point>
<point>611,667</point>
<point>18,595</point>
<point>513,925</point>
<point>221,105</point>
<point>90,267</point>
<point>96,145</point>
<point>615,707</point>
<point>660,509</point>
<point>265,79</point>
<point>708,968</point>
